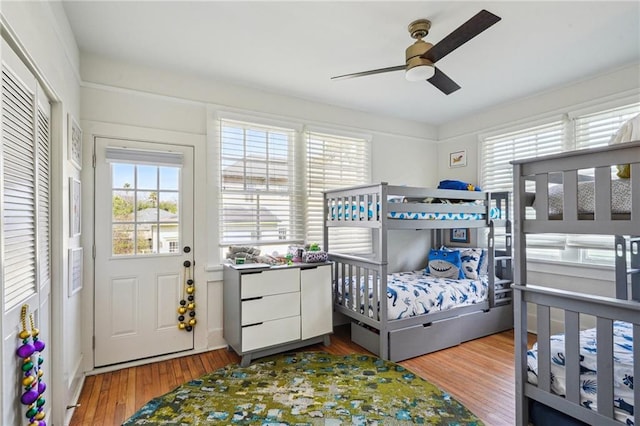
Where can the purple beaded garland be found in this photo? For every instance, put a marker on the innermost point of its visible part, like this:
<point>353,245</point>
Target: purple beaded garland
<point>29,397</point>
<point>39,345</point>
<point>26,350</point>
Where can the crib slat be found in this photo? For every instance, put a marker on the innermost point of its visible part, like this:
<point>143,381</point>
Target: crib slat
<point>544,348</point>
<point>604,336</point>
<point>572,354</point>
<point>570,195</point>
<point>603,193</point>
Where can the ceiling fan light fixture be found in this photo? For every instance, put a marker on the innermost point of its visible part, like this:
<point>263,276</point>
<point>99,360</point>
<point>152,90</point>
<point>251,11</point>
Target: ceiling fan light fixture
<point>421,71</point>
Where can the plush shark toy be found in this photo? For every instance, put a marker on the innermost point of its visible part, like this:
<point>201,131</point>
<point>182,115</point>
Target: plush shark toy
<point>445,264</point>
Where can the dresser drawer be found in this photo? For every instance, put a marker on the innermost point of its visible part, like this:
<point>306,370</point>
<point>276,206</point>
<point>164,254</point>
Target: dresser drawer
<point>270,308</point>
<point>270,333</point>
<point>266,283</point>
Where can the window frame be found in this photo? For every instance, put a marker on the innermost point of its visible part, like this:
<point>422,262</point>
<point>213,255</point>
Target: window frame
<point>299,173</point>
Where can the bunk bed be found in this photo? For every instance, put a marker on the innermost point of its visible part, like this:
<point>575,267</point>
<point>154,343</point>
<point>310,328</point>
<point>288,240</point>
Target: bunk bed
<point>385,317</point>
<point>584,375</point>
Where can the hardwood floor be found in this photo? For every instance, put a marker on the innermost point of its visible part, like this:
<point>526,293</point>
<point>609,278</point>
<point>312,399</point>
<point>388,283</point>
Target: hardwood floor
<point>480,374</point>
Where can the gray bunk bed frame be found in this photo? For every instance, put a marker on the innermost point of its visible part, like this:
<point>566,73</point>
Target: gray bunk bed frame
<point>624,307</point>
<point>398,339</point>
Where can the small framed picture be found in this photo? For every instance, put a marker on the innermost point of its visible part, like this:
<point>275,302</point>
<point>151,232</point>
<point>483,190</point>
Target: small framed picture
<point>459,235</point>
<point>75,207</point>
<point>75,270</point>
<point>74,142</point>
<point>458,159</point>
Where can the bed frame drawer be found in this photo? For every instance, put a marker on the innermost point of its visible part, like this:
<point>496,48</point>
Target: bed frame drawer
<point>479,324</point>
<point>365,337</point>
<point>421,339</point>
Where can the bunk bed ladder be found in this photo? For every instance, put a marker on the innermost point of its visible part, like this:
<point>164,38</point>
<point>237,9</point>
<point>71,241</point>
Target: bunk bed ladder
<point>625,270</point>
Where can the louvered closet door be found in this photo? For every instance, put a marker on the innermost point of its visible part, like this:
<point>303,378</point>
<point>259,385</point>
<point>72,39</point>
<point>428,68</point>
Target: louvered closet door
<point>25,243</point>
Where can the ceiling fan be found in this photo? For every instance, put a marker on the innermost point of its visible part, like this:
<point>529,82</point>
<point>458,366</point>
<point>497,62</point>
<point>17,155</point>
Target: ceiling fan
<point>421,56</point>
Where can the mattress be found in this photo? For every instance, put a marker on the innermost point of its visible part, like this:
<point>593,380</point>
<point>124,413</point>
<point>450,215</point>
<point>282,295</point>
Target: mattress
<point>622,369</point>
<point>416,293</point>
<point>358,211</point>
<point>620,197</point>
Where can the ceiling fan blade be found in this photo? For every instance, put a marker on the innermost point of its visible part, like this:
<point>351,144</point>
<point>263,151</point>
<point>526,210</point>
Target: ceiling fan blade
<point>443,82</point>
<point>465,32</point>
<point>370,72</point>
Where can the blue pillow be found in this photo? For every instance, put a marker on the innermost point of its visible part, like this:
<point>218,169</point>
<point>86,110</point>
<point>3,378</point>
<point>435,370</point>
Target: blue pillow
<point>445,264</point>
<point>457,184</point>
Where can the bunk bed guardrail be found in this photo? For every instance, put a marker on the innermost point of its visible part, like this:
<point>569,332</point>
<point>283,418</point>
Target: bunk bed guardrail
<point>562,176</point>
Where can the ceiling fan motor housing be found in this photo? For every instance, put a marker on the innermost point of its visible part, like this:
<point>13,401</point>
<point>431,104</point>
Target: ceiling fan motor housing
<point>414,54</point>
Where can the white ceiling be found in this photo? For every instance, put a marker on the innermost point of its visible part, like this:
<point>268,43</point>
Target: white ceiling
<point>293,48</point>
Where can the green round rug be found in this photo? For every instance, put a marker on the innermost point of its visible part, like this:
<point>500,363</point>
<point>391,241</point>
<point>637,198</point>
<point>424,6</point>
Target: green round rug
<point>307,388</point>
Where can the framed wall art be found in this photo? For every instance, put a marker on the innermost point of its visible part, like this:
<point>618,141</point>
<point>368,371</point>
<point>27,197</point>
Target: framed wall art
<point>74,142</point>
<point>458,159</point>
<point>75,270</point>
<point>75,207</point>
<point>459,235</point>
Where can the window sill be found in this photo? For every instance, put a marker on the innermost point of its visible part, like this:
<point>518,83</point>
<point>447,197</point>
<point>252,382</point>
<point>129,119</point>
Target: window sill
<point>213,272</point>
<point>574,269</point>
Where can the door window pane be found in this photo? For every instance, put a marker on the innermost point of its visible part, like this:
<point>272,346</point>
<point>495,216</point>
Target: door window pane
<point>145,204</point>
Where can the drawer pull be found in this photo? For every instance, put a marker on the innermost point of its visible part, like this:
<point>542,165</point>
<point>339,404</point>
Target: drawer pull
<point>427,324</point>
<point>304,268</point>
<point>252,325</point>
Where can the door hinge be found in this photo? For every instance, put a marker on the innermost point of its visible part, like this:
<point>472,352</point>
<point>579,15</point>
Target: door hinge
<point>93,342</point>
<point>93,252</point>
<point>93,159</point>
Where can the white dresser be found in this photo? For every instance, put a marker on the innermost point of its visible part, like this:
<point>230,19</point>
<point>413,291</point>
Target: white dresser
<point>271,310</point>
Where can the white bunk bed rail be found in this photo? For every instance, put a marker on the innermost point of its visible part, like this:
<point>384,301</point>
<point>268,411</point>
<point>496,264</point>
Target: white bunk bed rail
<point>574,219</point>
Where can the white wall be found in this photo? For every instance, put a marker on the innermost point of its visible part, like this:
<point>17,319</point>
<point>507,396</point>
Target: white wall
<point>123,94</point>
<point>42,31</point>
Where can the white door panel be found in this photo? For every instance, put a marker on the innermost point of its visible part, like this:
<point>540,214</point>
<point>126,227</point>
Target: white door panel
<point>143,220</point>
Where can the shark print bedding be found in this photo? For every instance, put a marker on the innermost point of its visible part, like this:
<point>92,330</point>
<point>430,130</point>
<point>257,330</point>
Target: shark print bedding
<point>622,369</point>
<point>417,293</point>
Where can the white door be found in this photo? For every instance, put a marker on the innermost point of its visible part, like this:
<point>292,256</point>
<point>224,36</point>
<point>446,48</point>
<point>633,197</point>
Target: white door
<point>144,242</point>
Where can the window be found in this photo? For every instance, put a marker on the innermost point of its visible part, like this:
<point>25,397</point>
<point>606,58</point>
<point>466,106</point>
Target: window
<point>145,201</point>
<point>271,184</point>
<point>581,131</point>
<point>497,171</point>
<point>259,202</point>
<point>335,162</point>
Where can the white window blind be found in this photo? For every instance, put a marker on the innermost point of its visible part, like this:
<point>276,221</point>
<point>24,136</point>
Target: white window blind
<point>497,171</point>
<point>19,190</point>
<point>259,202</point>
<point>335,162</point>
<point>498,151</point>
<point>594,130</point>
<point>587,131</point>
